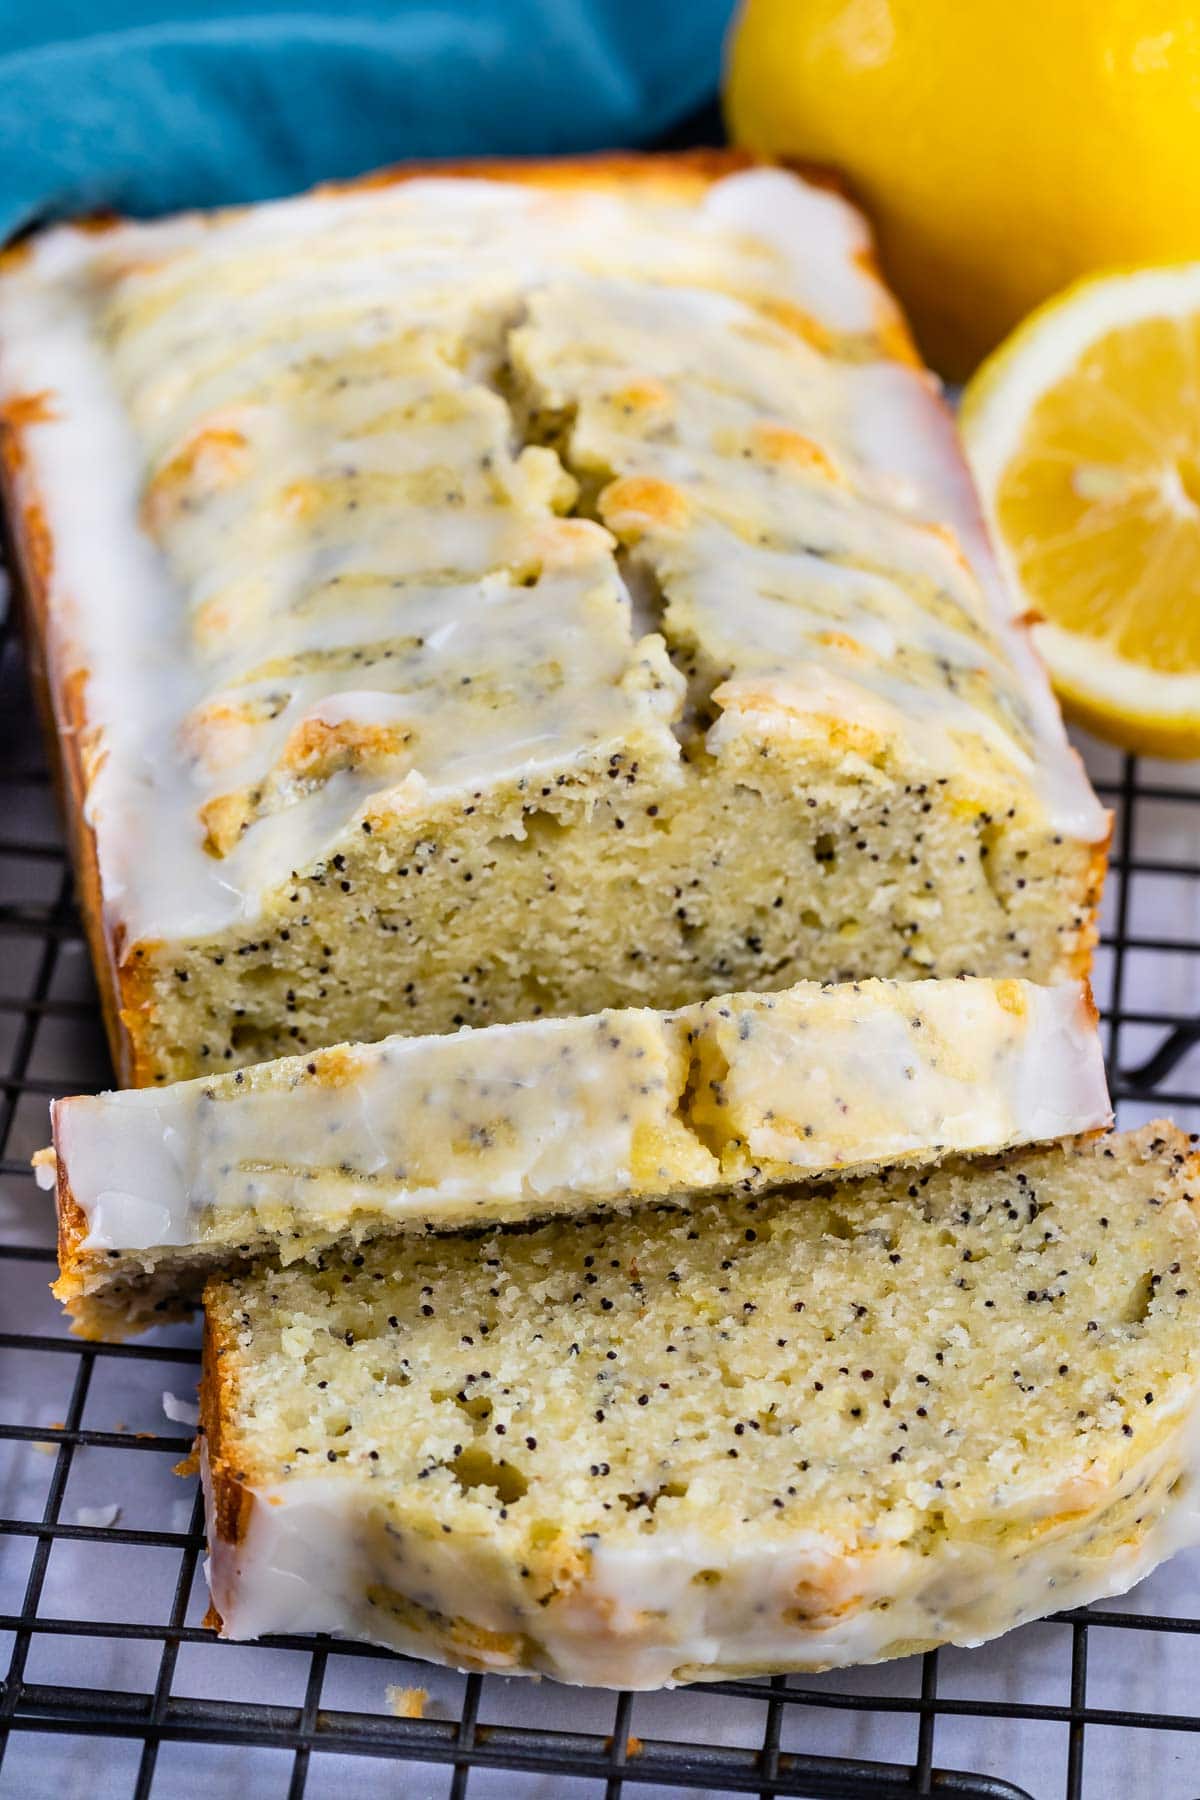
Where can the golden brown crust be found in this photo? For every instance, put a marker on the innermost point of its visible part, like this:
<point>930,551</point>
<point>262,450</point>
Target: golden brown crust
<point>229,1475</point>
<point>17,253</point>
<point>72,1229</point>
<point>71,1288</point>
<point>62,707</point>
<point>670,171</point>
<point>91,1318</point>
<point>208,1437</point>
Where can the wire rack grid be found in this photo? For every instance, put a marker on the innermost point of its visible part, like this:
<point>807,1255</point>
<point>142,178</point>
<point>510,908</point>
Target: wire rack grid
<point>113,1687</point>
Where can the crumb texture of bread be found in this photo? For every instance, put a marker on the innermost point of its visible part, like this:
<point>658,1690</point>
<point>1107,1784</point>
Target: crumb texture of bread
<point>157,1187</point>
<point>491,599</point>
<point>770,1435</point>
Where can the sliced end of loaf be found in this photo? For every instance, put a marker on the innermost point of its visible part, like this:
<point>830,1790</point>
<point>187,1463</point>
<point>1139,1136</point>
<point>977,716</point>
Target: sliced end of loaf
<point>772,1434</point>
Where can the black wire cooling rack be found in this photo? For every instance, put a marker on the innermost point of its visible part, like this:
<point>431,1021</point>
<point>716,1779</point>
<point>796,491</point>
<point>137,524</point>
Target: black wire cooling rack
<point>115,1688</point>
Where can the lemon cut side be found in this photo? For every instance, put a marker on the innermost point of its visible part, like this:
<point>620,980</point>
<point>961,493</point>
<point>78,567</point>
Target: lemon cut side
<point>1083,431</point>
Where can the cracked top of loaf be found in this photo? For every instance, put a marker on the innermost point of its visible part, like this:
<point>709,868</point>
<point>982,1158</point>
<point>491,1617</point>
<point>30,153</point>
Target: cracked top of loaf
<point>404,490</point>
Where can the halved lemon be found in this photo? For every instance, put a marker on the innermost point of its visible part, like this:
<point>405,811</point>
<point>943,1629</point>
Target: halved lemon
<point>1083,431</point>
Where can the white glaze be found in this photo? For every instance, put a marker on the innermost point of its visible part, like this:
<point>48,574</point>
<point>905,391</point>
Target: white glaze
<point>823,240</point>
<point>168,354</point>
<point>881,1071</point>
<point>312,1548</point>
<point>818,563</point>
<point>571,1114</point>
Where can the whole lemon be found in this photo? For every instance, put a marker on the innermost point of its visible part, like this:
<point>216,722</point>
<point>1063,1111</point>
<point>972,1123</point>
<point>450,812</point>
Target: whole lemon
<point>1003,147</point>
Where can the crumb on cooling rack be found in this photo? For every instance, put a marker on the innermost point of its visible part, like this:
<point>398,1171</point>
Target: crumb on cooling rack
<point>407,1702</point>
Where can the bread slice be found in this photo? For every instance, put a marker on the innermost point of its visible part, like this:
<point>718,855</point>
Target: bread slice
<point>480,594</point>
<point>156,1188</point>
<point>774,1434</point>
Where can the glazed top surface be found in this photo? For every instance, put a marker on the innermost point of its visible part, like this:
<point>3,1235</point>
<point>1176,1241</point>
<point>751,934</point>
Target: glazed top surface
<point>370,497</point>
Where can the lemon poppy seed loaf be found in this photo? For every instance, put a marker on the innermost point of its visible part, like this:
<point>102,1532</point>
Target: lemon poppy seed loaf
<point>475,595</point>
<point>157,1187</point>
<point>776,1433</point>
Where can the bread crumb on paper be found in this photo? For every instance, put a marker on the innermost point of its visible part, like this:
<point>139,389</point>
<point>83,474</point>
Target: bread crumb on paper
<point>46,1446</point>
<point>98,1517</point>
<point>180,1411</point>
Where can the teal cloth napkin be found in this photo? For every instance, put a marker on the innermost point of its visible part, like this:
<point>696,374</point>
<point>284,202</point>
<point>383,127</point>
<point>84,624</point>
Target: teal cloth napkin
<point>147,107</point>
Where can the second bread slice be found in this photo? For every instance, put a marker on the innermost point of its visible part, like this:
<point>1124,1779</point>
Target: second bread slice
<point>156,1188</point>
